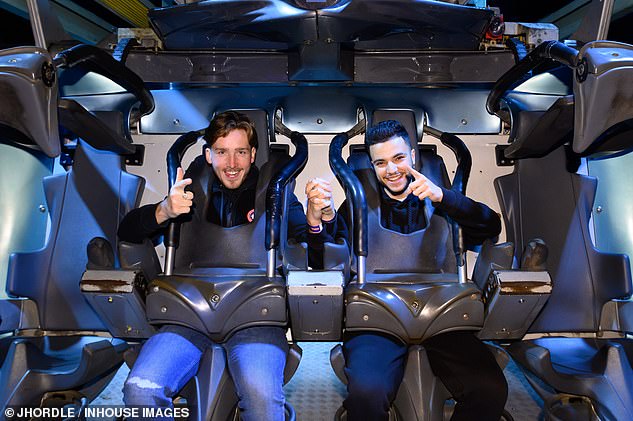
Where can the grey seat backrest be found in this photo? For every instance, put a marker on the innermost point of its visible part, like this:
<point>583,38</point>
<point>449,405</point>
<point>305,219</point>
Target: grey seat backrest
<point>86,202</point>
<point>204,244</point>
<point>429,250</point>
<point>542,199</point>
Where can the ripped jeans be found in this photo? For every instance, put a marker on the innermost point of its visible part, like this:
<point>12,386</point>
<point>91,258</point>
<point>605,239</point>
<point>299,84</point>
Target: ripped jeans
<point>169,359</point>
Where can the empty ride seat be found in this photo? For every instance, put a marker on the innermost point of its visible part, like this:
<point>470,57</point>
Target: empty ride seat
<point>596,368</point>
<point>585,281</point>
<point>83,203</point>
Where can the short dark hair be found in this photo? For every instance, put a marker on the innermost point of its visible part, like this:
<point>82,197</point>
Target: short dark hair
<point>385,130</point>
<point>224,123</point>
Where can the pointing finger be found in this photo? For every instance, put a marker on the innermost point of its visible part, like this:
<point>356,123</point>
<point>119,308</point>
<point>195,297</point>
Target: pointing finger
<point>416,175</point>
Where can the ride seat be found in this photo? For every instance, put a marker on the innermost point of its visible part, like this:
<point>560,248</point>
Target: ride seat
<point>219,283</point>
<point>412,289</point>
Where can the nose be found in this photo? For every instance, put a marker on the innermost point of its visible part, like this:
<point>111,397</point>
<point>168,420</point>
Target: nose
<point>391,167</point>
<point>232,160</point>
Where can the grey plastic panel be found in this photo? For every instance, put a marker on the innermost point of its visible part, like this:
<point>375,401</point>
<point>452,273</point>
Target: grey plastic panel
<point>86,202</point>
<point>542,200</point>
<point>18,314</point>
<point>218,305</point>
<point>421,395</point>
<point>118,298</point>
<point>29,97</point>
<point>36,365</point>
<point>315,301</point>
<point>180,111</point>
<point>513,300</point>
<point>603,99</point>
<point>596,368</point>
<point>413,312</point>
<point>211,394</point>
<point>613,208</point>
<point>24,221</point>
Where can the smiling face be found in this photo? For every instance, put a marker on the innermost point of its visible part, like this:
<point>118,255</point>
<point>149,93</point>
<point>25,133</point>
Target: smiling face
<point>390,160</point>
<point>231,157</point>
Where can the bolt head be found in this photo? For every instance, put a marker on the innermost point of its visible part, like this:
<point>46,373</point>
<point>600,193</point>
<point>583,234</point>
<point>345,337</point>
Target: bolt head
<point>163,309</point>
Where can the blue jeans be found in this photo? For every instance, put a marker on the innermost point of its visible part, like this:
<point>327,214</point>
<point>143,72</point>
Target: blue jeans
<point>256,360</point>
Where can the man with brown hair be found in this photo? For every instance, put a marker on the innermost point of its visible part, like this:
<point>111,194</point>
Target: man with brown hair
<point>256,355</point>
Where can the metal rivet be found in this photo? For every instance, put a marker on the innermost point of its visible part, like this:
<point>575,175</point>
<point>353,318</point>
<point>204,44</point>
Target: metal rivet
<point>354,297</point>
<point>264,311</point>
<point>315,301</point>
<point>365,317</point>
<point>110,299</point>
<point>163,309</point>
<point>128,329</point>
<point>275,291</point>
<point>415,304</point>
<point>215,298</point>
<point>13,60</point>
<point>316,330</point>
<point>473,296</point>
<point>319,121</point>
<point>599,209</point>
<point>465,316</point>
<point>155,289</point>
<point>42,208</point>
<point>464,121</point>
<point>615,54</point>
<point>521,300</point>
<point>503,329</point>
<point>176,122</point>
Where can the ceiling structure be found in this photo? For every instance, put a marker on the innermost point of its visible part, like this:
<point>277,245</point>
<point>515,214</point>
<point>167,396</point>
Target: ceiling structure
<point>92,21</point>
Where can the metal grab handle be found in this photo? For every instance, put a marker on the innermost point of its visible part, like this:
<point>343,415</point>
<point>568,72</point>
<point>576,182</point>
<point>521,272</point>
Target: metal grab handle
<point>550,50</point>
<point>94,59</point>
<point>356,194</point>
<point>460,181</point>
<point>174,160</point>
<point>274,194</point>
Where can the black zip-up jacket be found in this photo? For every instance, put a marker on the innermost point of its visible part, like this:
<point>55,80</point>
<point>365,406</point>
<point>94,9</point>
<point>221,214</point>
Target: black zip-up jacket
<point>228,208</point>
<point>477,220</point>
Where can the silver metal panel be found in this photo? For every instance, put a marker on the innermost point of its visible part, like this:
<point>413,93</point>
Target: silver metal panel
<point>29,96</point>
<point>183,110</point>
<point>613,207</point>
<point>603,99</point>
<point>23,209</point>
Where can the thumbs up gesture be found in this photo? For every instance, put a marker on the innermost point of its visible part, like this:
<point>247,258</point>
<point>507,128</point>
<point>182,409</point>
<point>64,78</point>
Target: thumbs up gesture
<point>178,201</point>
<point>422,187</point>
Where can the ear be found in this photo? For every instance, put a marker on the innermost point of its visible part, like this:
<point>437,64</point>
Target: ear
<point>253,152</point>
<point>413,158</point>
<point>207,155</point>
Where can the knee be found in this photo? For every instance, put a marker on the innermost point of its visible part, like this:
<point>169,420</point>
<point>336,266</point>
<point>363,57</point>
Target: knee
<point>139,391</point>
<point>369,392</point>
<point>490,391</point>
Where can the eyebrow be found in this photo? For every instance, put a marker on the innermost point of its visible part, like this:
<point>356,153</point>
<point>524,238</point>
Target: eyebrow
<point>383,159</point>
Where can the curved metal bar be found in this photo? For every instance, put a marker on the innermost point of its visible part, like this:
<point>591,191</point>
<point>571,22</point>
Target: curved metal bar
<point>550,50</point>
<point>174,160</point>
<point>274,194</point>
<point>462,155</point>
<point>355,193</point>
<point>460,181</point>
<point>94,59</point>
